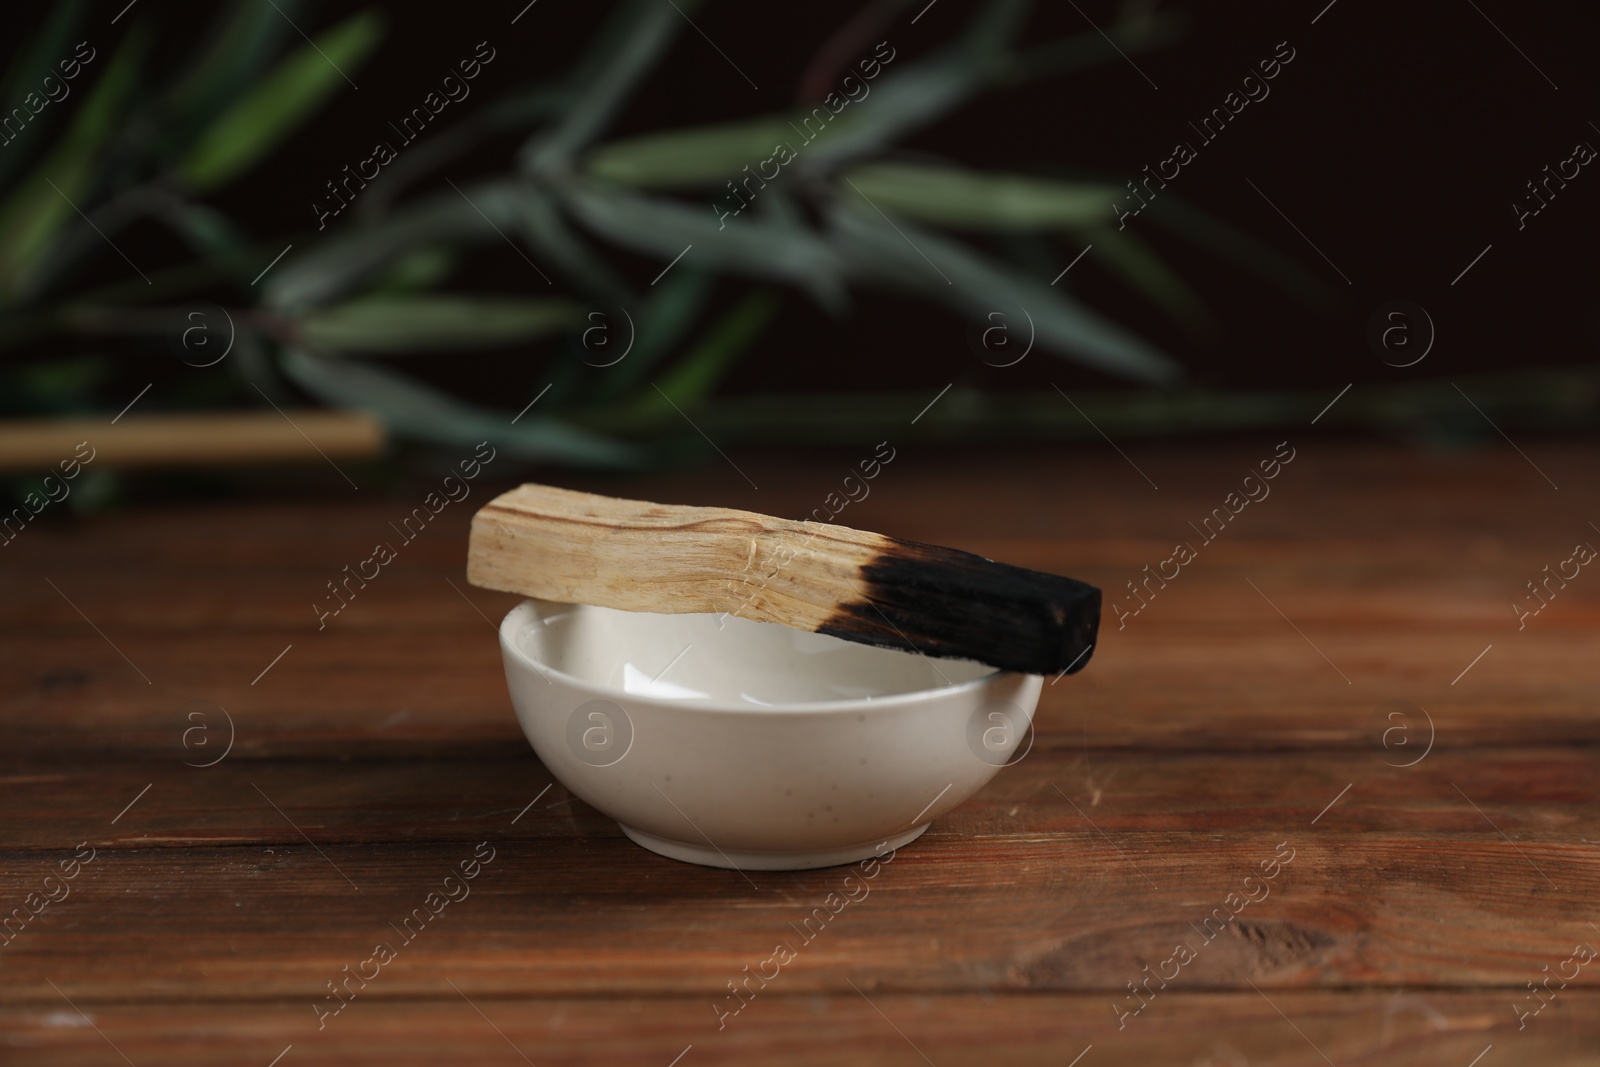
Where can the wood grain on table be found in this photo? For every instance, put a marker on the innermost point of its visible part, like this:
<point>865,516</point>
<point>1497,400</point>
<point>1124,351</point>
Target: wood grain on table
<point>1339,675</point>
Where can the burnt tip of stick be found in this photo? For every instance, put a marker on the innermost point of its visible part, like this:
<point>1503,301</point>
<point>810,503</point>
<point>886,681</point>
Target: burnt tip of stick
<point>953,604</point>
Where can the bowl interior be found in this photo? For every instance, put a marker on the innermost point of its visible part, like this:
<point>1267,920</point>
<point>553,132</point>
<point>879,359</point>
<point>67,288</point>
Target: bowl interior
<point>722,659</point>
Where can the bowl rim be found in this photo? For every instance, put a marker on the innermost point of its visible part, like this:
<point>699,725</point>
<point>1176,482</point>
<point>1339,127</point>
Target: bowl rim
<point>851,704</point>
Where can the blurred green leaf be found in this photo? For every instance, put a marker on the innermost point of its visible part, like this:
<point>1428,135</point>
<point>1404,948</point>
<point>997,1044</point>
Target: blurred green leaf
<point>540,221</point>
<point>704,366</point>
<point>26,75</point>
<point>964,199</point>
<point>920,261</point>
<point>425,322</point>
<point>566,374</point>
<point>412,411</point>
<point>340,262</point>
<point>900,102</point>
<point>253,369</point>
<point>911,95</point>
<point>420,268</point>
<point>39,57</point>
<point>664,228</point>
<point>204,228</point>
<point>274,106</point>
<point>1139,32</point>
<point>1237,247</point>
<point>994,27</point>
<point>637,35</point>
<point>207,230</point>
<point>239,98</point>
<point>693,157</point>
<point>672,305</point>
<point>1568,399</point>
<point>906,97</point>
<point>56,387</point>
<point>44,200</point>
<point>522,107</point>
<point>240,42</point>
<point>1125,253</point>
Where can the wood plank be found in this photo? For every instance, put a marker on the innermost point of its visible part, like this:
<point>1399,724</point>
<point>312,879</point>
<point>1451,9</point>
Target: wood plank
<point>333,694</point>
<point>1079,910</point>
<point>202,599</point>
<point>257,552</point>
<point>1460,511</point>
<point>1206,733</point>
<point>362,692</point>
<point>1549,795</point>
<point>1333,582</point>
<point>1427,1028</point>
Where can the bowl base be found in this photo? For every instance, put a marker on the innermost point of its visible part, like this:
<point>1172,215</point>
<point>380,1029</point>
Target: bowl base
<point>710,856</point>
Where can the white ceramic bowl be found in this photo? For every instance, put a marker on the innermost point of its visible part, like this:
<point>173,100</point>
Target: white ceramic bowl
<point>731,743</point>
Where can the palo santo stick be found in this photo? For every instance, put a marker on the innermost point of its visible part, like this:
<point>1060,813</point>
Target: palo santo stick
<point>579,548</point>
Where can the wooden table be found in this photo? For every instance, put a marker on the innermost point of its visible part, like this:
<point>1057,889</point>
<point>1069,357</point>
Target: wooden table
<point>1338,676</point>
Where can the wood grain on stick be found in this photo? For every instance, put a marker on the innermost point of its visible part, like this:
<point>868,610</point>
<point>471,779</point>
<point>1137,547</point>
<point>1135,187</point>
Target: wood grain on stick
<point>571,547</point>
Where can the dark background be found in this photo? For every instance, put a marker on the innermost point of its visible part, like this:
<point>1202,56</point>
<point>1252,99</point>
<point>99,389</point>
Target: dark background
<point>1396,140</point>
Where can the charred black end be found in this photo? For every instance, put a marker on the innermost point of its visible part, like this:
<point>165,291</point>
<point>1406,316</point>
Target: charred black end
<point>944,602</point>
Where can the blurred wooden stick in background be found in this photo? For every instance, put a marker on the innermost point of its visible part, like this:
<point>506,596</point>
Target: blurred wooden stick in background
<point>202,440</point>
